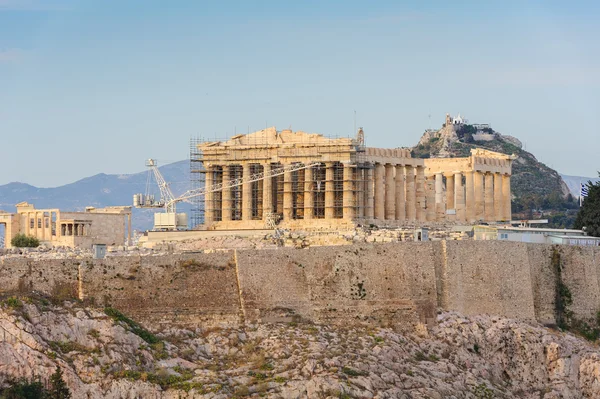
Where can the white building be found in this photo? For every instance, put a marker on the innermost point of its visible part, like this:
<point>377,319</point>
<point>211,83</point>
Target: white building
<point>459,120</point>
<point>534,235</point>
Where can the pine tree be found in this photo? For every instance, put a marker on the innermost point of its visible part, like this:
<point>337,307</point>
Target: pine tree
<point>58,387</point>
<point>589,214</point>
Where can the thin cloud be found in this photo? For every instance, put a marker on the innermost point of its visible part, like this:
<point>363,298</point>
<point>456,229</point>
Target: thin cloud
<point>550,75</point>
<point>10,56</point>
<point>32,5</point>
<point>394,18</point>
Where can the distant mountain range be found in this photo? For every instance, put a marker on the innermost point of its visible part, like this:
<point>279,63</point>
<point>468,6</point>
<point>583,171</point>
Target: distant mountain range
<point>574,181</point>
<point>99,191</point>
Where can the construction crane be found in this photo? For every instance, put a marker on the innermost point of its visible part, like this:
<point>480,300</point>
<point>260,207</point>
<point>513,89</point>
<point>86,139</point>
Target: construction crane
<point>170,219</point>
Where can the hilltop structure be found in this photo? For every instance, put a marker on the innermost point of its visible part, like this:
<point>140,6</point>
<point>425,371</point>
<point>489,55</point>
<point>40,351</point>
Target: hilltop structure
<point>346,182</point>
<point>109,226</point>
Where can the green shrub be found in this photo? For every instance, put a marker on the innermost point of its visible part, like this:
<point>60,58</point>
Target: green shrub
<point>13,302</point>
<point>133,326</point>
<point>23,241</point>
<point>353,373</point>
<point>482,391</point>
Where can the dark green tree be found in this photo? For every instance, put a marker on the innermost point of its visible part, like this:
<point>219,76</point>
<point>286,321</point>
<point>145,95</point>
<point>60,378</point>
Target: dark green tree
<point>58,386</point>
<point>589,214</point>
<point>24,389</point>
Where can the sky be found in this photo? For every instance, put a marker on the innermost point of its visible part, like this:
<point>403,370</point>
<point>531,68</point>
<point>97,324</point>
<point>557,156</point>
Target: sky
<point>99,86</point>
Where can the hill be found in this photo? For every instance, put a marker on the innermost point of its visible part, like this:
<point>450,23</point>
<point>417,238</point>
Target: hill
<point>538,190</point>
<point>104,354</point>
<point>573,182</point>
<point>99,191</point>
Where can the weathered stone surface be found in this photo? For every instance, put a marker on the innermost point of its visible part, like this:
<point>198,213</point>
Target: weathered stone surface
<point>461,357</point>
<point>399,283</point>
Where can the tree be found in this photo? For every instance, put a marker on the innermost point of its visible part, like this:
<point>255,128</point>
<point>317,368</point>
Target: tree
<point>589,213</point>
<point>24,389</point>
<point>58,386</point>
<point>21,241</point>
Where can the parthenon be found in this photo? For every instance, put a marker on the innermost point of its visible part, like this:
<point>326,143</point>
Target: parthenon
<point>346,182</point>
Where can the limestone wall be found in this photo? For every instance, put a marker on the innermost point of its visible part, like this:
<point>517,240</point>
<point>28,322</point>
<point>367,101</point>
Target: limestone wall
<point>491,277</point>
<point>385,284</point>
<point>398,284</point>
<point>183,289</point>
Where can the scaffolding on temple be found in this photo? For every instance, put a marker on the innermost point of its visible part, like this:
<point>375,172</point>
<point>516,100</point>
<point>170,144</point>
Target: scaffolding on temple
<point>230,207</point>
<point>197,181</point>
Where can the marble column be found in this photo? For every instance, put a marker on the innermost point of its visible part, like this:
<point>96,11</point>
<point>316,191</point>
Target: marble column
<point>411,202</point>
<point>246,193</point>
<point>506,197</point>
<point>369,193</point>
<point>498,205</point>
<point>208,196</point>
<point>226,195</point>
<point>360,193</point>
<point>308,193</point>
<point>489,197</point>
<point>430,199</point>
<point>27,218</point>
<point>379,192</point>
<point>329,197</point>
<point>287,195</point>
<point>400,196</point>
<point>470,196</point>
<point>450,191</point>
<point>459,197</point>
<point>349,201</point>
<point>440,208</point>
<point>390,193</point>
<point>267,192</point>
<point>420,193</point>
<point>479,196</point>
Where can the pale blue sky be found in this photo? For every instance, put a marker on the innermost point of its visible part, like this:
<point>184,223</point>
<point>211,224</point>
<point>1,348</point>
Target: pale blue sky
<point>99,86</point>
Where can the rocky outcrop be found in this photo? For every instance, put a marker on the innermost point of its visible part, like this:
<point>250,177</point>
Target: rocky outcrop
<point>458,357</point>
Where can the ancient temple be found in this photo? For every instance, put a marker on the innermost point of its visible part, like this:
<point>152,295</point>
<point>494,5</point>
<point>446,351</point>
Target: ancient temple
<point>342,182</point>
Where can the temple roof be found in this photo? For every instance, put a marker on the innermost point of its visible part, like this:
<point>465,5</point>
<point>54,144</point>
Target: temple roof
<point>271,136</point>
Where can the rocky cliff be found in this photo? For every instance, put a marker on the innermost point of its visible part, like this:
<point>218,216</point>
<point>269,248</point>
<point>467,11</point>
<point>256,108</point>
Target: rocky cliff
<point>104,354</point>
<point>534,184</point>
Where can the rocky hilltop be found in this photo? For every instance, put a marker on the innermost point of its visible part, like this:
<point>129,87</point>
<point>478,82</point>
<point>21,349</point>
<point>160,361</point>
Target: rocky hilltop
<point>104,354</point>
<point>534,184</point>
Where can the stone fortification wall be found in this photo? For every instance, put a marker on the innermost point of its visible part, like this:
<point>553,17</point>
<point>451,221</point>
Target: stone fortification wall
<point>543,281</point>
<point>385,284</point>
<point>57,277</point>
<point>580,272</point>
<point>182,289</point>
<point>491,277</point>
<point>388,284</point>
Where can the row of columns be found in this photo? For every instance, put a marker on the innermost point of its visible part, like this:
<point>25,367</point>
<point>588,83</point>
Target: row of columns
<point>75,229</point>
<point>397,192</point>
<point>403,192</point>
<point>381,192</point>
<point>485,196</point>
<point>348,190</point>
<point>39,225</point>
